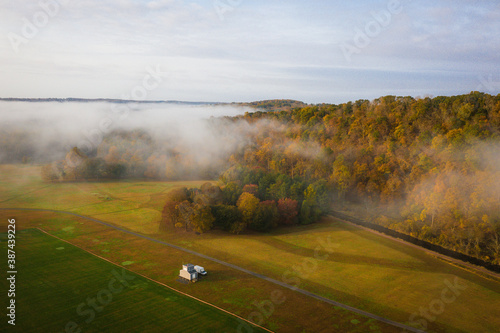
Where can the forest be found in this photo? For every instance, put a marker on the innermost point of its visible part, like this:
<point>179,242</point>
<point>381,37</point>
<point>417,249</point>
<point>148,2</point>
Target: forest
<point>427,167</point>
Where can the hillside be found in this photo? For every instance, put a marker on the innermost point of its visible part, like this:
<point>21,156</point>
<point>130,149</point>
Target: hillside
<point>426,167</point>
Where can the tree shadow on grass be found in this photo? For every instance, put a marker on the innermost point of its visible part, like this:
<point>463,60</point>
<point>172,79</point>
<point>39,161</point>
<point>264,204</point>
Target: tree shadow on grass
<point>344,258</point>
<point>426,262</point>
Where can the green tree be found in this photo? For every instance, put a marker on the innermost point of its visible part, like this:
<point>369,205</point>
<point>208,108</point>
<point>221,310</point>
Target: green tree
<point>265,216</point>
<point>226,216</point>
<point>230,193</point>
<point>310,211</point>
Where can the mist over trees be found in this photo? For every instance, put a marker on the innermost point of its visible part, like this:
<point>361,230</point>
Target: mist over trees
<point>45,132</point>
<point>428,167</point>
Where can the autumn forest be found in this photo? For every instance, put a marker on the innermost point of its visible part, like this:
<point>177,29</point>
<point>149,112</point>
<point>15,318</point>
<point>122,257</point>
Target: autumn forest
<point>427,167</point>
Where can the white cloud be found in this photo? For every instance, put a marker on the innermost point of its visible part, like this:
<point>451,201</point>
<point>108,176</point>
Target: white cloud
<point>95,48</point>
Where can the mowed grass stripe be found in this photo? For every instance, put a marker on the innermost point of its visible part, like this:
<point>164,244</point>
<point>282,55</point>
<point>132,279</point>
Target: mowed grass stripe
<point>55,277</point>
<point>367,271</point>
<point>227,288</point>
<point>260,276</point>
<point>148,278</point>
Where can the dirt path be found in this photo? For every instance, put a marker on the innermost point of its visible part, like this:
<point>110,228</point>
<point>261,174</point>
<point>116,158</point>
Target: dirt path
<point>280,283</point>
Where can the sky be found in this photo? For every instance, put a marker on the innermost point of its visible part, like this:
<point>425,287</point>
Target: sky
<point>242,50</point>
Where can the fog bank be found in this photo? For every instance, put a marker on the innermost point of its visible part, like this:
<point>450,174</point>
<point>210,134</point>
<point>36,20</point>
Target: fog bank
<point>41,132</point>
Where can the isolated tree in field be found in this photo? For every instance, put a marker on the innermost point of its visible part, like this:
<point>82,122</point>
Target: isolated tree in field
<point>247,204</point>
<point>171,213</point>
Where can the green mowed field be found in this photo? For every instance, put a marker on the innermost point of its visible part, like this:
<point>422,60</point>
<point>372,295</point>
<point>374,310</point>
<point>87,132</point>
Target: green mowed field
<point>275,307</point>
<point>133,204</point>
<point>331,258</point>
<point>59,285</point>
<point>367,271</point>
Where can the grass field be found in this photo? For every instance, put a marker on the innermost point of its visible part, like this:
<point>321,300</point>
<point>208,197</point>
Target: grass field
<point>361,269</point>
<point>57,284</point>
<point>366,271</point>
<point>232,290</point>
<point>133,204</point>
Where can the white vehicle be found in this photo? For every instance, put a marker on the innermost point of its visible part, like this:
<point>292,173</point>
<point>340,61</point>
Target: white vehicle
<point>200,270</point>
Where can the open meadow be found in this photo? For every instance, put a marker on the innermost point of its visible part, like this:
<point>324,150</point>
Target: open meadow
<point>331,258</point>
<point>239,293</point>
<point>61,286</point>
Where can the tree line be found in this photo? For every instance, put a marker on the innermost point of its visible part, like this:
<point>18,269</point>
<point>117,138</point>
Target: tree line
<point>249,199</point>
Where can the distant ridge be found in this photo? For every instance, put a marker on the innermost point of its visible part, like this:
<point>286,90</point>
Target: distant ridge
<point>105,100</point>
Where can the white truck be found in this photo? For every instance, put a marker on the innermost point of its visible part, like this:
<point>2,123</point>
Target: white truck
<point>200,270</point>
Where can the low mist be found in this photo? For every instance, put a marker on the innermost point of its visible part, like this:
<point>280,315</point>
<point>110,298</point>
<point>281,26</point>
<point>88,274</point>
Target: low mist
<point>42,132</point>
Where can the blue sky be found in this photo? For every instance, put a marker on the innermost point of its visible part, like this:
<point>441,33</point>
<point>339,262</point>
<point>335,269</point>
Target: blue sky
<point>242,50</point>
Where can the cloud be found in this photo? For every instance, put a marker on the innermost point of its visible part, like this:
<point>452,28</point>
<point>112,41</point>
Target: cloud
<point>91,48</point>
<point>48,130</point>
